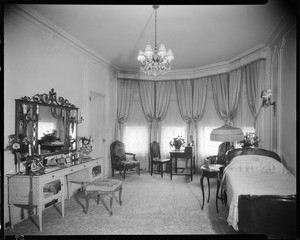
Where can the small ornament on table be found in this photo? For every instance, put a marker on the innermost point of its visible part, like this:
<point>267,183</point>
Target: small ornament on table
<point>86,147</point>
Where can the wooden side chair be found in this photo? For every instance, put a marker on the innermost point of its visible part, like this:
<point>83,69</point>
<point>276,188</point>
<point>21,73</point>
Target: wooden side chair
<point>155,158</point>
<point>120,162</point>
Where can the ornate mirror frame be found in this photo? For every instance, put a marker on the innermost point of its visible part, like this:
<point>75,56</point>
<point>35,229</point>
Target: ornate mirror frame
<point>27,110</point>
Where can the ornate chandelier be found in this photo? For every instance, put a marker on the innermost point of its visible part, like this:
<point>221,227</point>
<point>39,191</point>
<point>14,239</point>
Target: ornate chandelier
<point>158,61</point>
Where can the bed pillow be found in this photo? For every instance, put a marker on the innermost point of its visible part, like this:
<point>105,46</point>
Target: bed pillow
<point>256,164</point>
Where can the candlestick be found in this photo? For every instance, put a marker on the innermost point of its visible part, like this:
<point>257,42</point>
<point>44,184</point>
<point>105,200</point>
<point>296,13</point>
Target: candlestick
<point>29,149</point>
<point>24,108</point>
<point>39,149</point>
<point>37,109</point>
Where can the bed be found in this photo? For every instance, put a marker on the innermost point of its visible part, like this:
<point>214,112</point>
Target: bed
<point>260,193</point>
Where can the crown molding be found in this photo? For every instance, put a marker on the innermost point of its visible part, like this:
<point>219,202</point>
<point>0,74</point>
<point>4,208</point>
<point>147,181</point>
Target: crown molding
<point>285,24</point>
<point>27,12</point>
<point>258,52</point>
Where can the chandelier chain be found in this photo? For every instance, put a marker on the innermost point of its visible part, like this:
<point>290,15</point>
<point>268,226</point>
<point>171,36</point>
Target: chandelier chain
<point>158,61</point>
<point>155,29</point>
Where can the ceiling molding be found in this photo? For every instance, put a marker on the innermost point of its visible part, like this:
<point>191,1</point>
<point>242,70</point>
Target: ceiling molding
<point>28,12</point>
<point>286,23</point>
<point>242,59</point>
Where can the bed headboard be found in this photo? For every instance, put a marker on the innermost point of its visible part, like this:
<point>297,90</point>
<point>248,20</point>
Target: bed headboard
<point>252,151</point>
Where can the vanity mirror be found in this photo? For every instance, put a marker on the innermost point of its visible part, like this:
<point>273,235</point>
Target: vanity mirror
<point>50,123</point>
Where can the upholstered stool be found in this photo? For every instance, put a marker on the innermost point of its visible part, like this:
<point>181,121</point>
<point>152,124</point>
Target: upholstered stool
<point>103,187</point>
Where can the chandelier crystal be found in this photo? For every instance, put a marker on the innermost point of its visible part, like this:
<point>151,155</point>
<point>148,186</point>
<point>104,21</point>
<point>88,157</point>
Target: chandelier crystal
<point>158,61</point>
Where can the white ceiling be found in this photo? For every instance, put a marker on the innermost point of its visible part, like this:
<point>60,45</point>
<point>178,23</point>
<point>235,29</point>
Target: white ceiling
<point>198,35</point>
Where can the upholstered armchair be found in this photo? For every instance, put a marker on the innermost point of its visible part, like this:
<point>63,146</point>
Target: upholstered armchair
<point>221,157</point>
<point>120,162</point>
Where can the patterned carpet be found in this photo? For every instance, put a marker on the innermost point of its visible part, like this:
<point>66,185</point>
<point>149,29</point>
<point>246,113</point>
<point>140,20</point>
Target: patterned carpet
<point>151,205</point>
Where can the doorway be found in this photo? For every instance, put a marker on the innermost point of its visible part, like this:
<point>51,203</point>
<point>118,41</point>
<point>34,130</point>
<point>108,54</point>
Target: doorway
<point>97,124</point>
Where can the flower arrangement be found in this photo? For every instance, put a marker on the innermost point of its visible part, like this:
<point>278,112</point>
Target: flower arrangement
<point>177,142</point>
<point>250,140</point>
<point>18,144</point>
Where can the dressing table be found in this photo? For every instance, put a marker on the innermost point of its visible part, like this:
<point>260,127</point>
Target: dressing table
<point>36,118</point>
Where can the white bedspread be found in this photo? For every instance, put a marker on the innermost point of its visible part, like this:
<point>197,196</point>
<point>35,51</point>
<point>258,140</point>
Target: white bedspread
<point>242,177</point>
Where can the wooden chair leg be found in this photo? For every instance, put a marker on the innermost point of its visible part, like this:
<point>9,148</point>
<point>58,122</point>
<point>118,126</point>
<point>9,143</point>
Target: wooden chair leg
<point>87,200</point>
<point>120,195</point>
<point>151,170</point>
<point>98,199</point>
<point>110,203</point>
<point>161,170</point>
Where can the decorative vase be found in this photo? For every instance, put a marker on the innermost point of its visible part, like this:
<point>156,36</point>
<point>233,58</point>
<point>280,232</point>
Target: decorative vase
<point>177,145</point>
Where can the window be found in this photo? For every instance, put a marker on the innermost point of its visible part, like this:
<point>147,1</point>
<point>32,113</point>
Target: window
<point>136,139</point>
<point>167,134</point>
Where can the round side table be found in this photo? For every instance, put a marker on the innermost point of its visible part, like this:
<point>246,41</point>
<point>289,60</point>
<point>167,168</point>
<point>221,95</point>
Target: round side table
<point>210,173</point>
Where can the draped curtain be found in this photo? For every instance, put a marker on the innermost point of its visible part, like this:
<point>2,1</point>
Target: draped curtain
<point>191,98</point>
<point>125,97</point>
<point>226,94</point>
<point>185,102</point>
<point>254,78</point>
<point>199,105</point>
<point>147,96</point>
<point>190,108</point>
<point>162,101</point>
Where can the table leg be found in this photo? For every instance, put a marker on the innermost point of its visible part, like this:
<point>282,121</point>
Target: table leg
<point>208,189</point>
<point>11,213</point>
<point>69,188</point>
<point>40,217</point>
<point>62,205</point>
<point>218,186</point>
<point>201,182</point>
<point>162,170</point>
<point>176,165</point>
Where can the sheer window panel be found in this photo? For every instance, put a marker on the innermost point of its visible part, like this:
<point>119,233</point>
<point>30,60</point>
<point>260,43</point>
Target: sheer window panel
<point>172,126</point>
<point>244,119</point>
<point>210,120</point>
<point>136,133</point>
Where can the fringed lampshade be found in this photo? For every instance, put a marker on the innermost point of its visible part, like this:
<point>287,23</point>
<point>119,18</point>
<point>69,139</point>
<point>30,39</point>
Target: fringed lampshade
<point>226,134</point>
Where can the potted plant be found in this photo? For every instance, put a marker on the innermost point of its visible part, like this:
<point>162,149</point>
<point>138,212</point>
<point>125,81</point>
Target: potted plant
<point>177,142</point>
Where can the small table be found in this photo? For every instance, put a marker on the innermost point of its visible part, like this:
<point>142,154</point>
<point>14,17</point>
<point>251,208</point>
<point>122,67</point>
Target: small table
<point>212,172</point>
<point>182,154</point>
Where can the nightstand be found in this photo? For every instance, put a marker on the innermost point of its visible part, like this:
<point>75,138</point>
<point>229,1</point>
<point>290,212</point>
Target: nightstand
<point>212,172</point>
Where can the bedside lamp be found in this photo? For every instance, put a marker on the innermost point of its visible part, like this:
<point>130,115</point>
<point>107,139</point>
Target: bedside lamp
<point>227,134</point>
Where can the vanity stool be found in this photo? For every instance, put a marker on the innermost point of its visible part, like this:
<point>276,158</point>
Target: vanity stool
<point>103,187</point>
